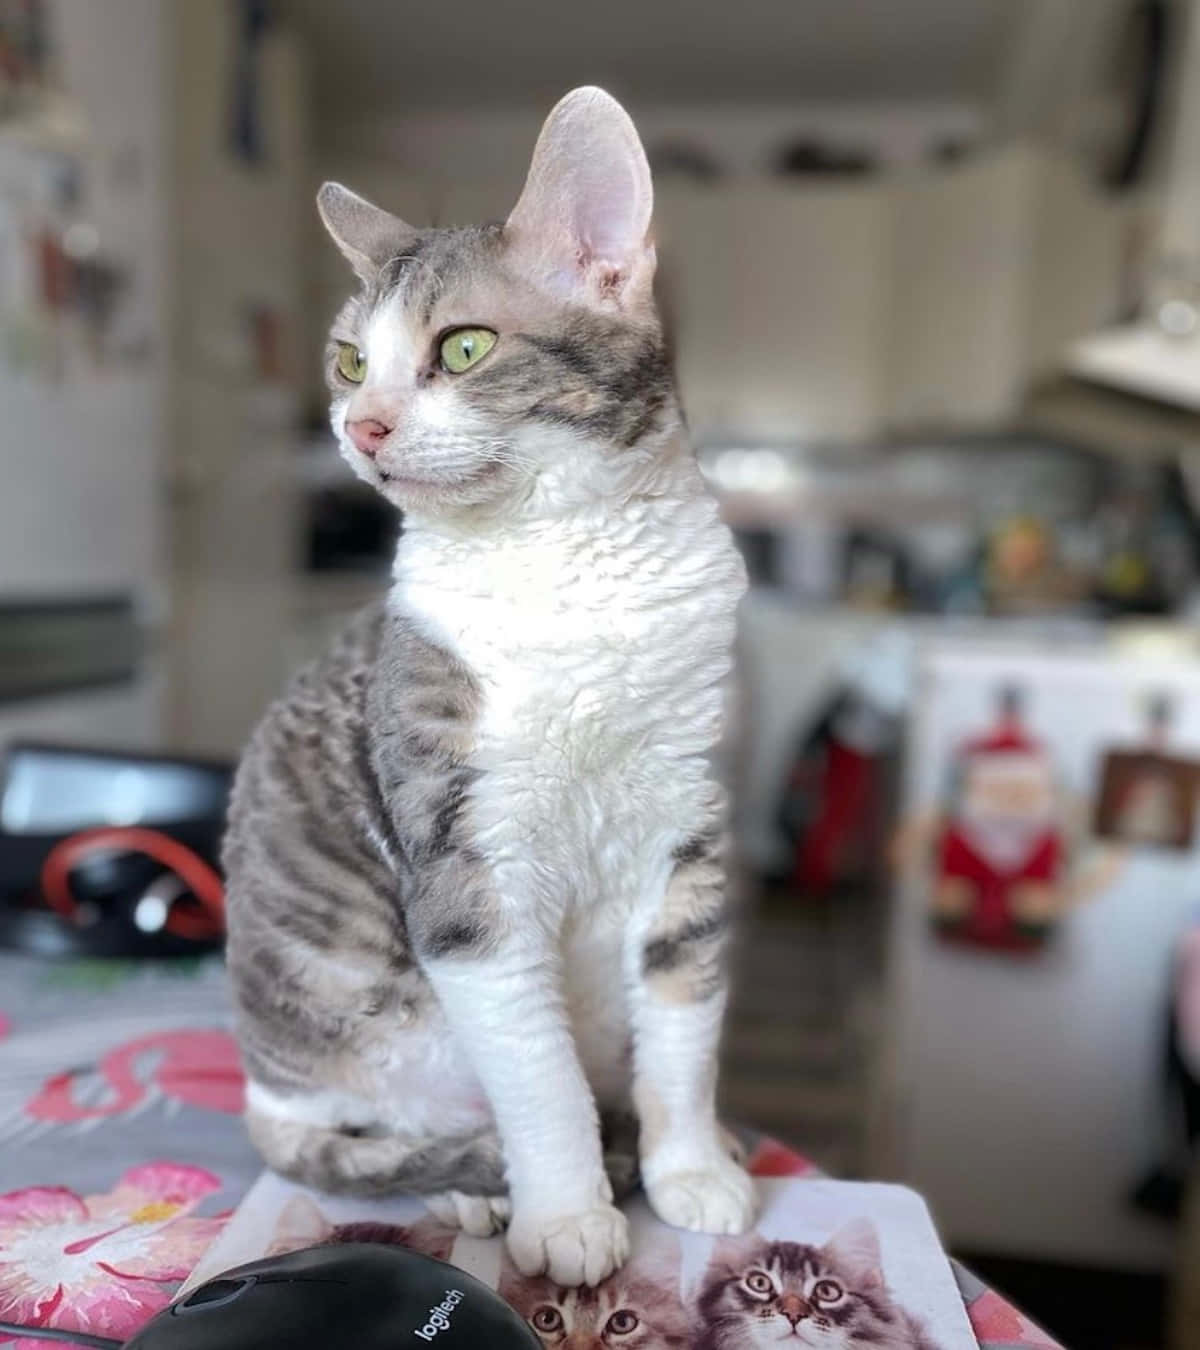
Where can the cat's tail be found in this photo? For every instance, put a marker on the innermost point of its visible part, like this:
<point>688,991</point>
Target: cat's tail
<point>339,1161</point>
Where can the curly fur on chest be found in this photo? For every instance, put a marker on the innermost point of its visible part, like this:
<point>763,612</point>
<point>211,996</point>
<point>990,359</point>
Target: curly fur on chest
<point>599,660</point>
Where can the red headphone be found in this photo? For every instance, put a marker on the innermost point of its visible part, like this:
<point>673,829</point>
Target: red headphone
<point>200,919</point>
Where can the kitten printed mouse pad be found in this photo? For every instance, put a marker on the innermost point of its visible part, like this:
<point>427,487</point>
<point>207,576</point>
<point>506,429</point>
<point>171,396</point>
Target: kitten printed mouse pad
<point>831,1265</point>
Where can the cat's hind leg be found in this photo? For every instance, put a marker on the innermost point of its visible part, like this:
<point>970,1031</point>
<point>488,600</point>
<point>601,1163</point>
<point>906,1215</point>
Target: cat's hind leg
<point>380,1164</point>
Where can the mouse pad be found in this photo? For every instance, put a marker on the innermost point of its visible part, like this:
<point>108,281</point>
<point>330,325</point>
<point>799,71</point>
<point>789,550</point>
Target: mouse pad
<point>863,1258</point>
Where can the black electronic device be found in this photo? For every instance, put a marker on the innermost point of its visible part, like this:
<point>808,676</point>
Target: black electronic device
<point>362,1295</point>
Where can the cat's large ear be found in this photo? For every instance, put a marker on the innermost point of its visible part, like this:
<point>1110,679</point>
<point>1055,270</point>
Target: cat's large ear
<point>583,219</point>
<point>368,235</point>
<point>855,1249</point>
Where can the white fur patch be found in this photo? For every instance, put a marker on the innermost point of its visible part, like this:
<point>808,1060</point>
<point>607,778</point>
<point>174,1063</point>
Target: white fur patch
<point>601,647</point>
<point>601,643</point>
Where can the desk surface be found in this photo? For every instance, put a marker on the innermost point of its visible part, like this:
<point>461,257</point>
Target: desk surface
<point>122,1147</point>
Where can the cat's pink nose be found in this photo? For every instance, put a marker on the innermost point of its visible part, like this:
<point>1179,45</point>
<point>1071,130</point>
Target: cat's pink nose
<point>794,1308</point>
<point>368,434</point>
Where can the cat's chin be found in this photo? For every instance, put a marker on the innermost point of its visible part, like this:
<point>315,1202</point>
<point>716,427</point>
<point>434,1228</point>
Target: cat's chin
<point>409,492</point>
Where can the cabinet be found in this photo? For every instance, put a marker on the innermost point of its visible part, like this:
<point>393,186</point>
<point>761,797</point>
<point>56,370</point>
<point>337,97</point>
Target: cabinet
<point>777,295</point>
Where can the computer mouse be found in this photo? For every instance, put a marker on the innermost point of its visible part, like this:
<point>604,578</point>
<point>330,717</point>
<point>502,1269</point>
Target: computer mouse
<point>357,1295</point>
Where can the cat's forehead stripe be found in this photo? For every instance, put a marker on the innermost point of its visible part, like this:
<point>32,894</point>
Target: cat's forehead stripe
<point>419,275</point>
<point>417,278</point>
<point>393,272</point>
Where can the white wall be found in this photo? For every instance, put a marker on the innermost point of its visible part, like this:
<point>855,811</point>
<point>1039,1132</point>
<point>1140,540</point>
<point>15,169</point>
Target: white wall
<point>961,245</point>
<point>779,294</point>
<point>997,265</point>
<point>495,143</point>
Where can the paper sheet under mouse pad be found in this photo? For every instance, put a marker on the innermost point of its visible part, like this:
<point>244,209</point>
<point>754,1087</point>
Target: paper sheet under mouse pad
<point>878,1252</point>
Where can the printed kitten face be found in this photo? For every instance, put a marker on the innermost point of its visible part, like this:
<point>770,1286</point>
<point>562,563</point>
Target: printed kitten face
<point>758,1293</point>
<point>475,360</point>
<point>755,1293</point>
<point>302,1224</point>
<point>631,1310</point>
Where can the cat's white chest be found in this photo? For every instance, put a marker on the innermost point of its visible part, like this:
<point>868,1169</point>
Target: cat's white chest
<point>600,654</point>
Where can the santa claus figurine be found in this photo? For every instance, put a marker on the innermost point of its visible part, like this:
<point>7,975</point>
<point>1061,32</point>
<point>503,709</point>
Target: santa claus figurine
<point>999,861</point>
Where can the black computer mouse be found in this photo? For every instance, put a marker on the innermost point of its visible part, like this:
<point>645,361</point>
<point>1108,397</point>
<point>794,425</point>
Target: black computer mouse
<point>357,1295</point>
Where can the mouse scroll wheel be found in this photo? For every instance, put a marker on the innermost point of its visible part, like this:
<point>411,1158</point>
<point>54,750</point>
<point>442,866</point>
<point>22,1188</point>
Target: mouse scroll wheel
<point>215,1294</point>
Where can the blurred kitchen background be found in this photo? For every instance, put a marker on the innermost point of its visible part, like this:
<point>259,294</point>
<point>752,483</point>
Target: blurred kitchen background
<point>932,272</point>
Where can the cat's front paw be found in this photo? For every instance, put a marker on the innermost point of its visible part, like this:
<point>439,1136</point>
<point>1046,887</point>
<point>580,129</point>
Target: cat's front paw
<point>571,1249</point>
<point>715,1197</point>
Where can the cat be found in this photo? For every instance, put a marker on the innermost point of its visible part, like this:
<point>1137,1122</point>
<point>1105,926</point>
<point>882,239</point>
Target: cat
<point>475,887</point>
<point>302,1224</point>
<point>638,1308</point>
<point>759,1293</point>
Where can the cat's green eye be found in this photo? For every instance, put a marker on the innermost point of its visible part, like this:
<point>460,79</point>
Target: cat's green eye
<point>464,347</point>
<point>827,1291</point>
<point>351,363</point>
<point>759,1283</point>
